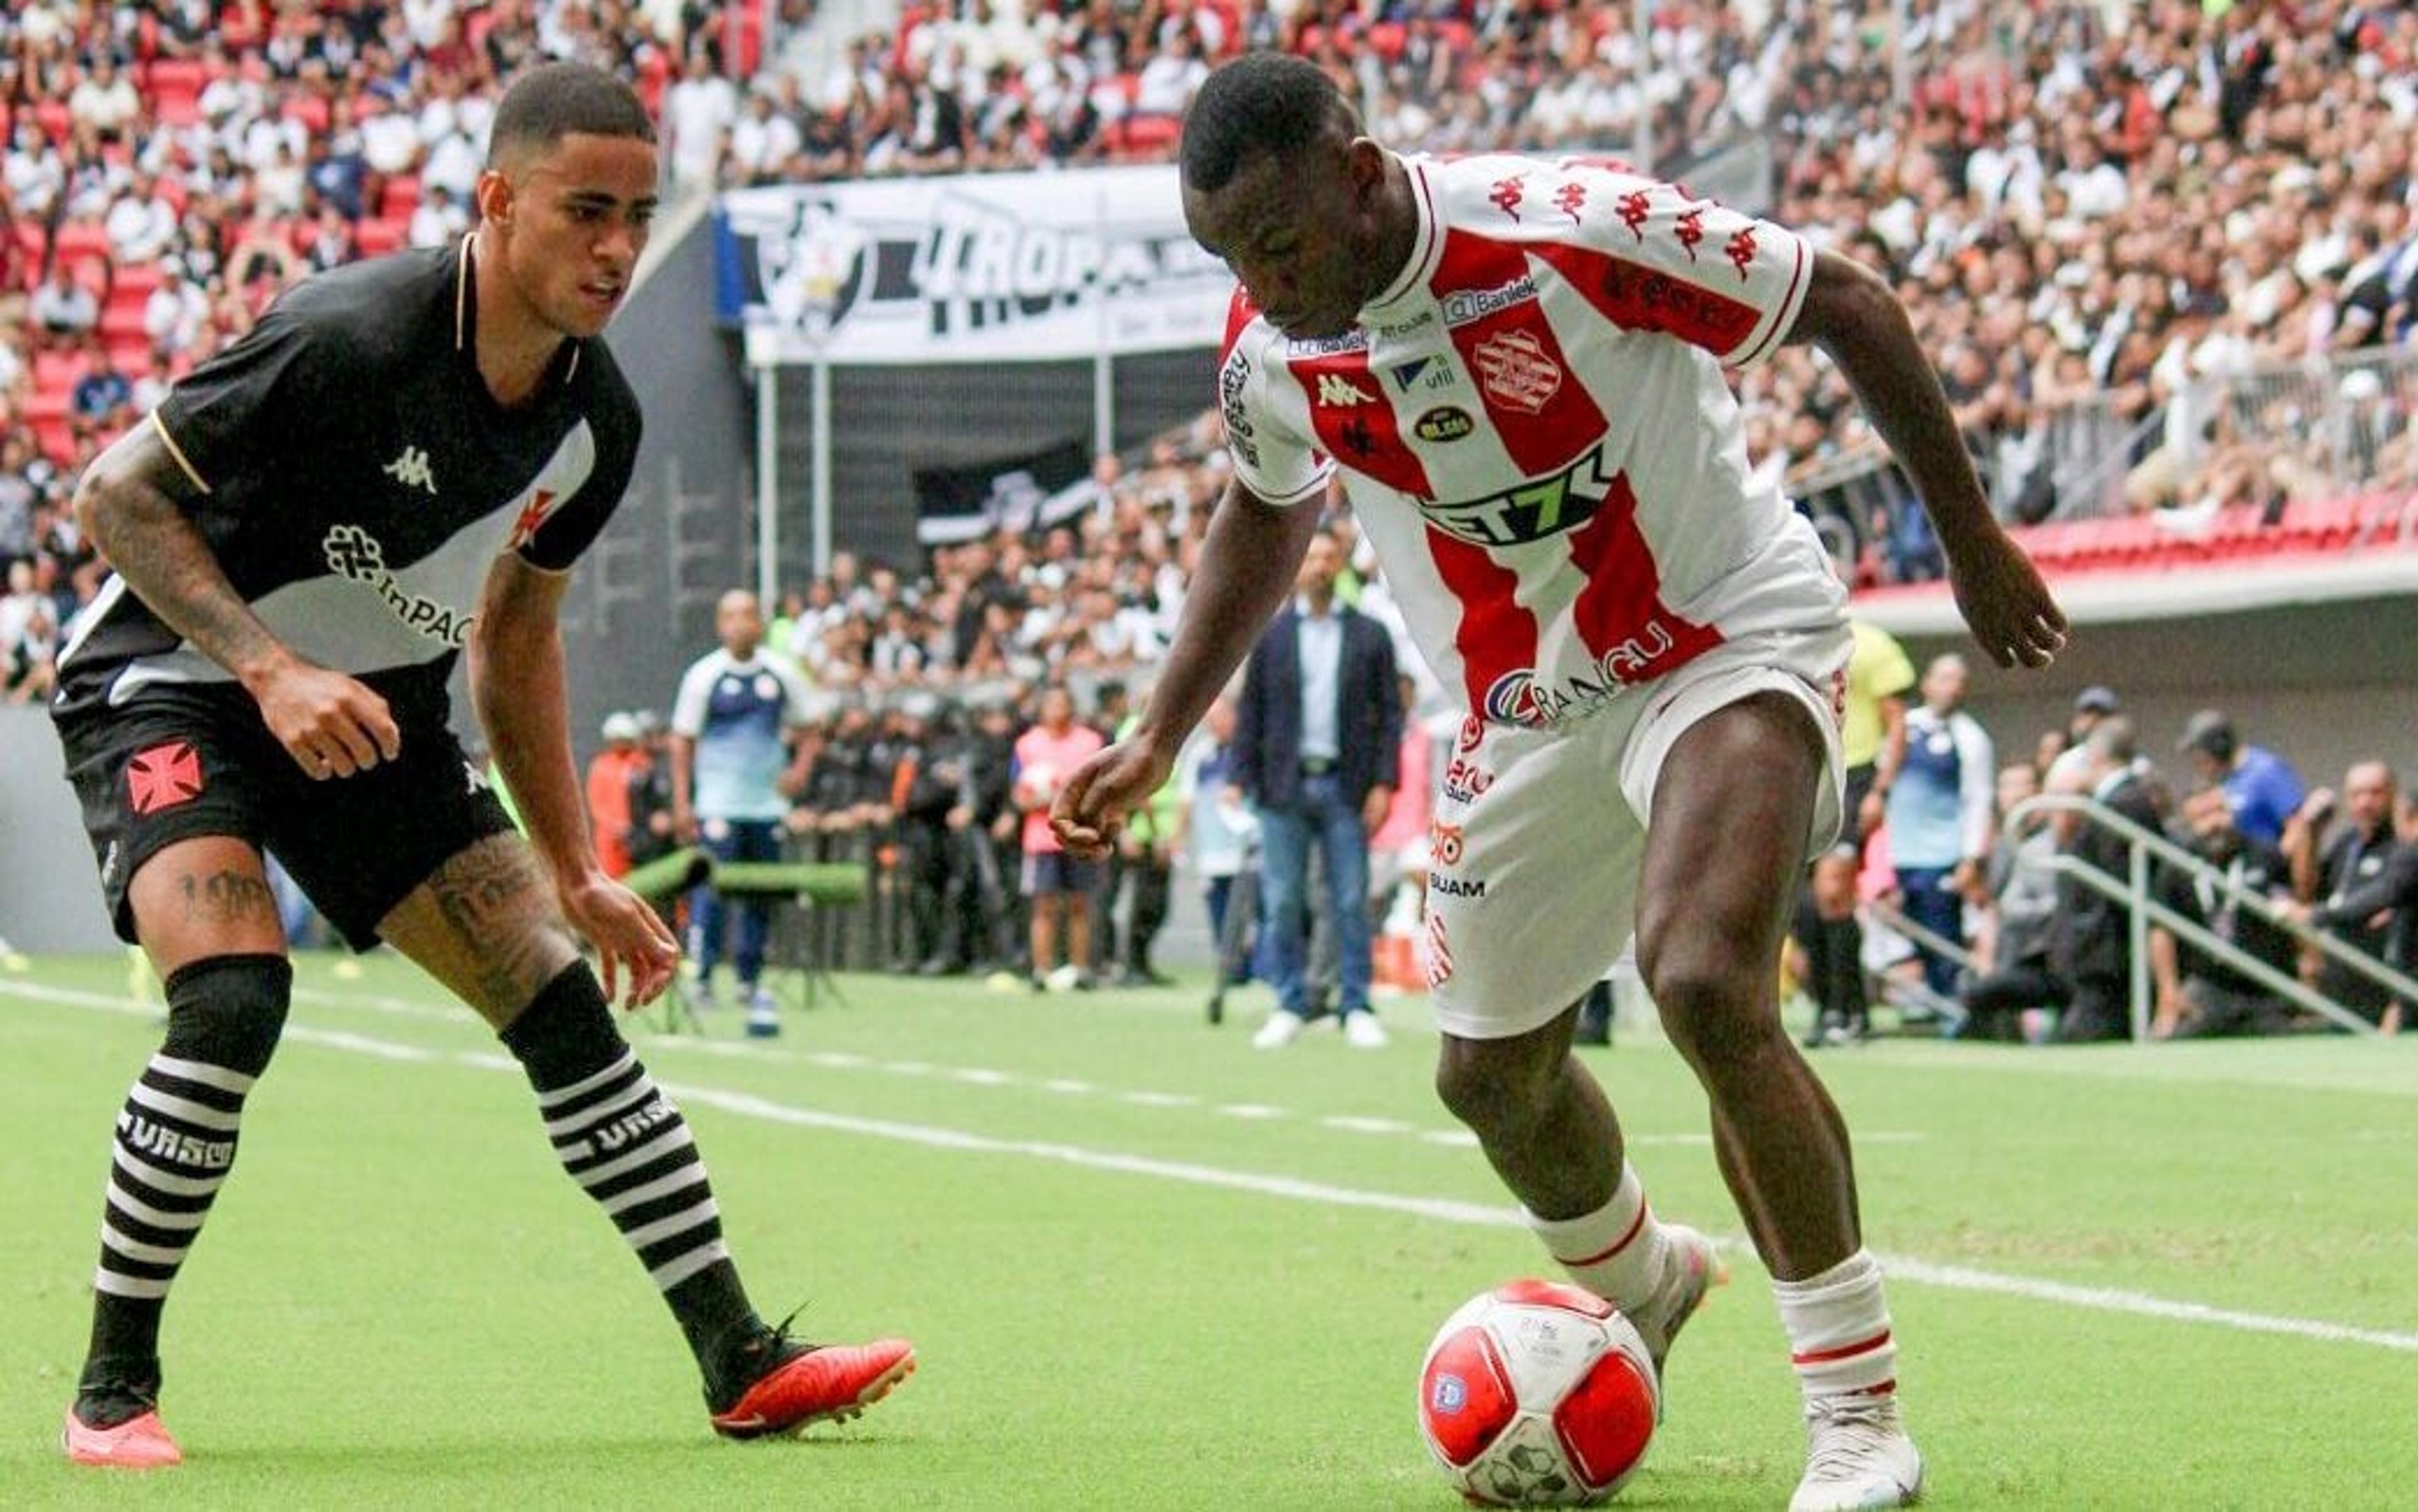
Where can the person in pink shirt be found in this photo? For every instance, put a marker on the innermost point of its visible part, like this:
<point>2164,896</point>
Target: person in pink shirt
<point>1060,885</point>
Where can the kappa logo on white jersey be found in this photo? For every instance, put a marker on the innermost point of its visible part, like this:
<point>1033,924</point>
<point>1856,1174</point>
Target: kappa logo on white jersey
<point>411,470</point>
<point>1336,391</point>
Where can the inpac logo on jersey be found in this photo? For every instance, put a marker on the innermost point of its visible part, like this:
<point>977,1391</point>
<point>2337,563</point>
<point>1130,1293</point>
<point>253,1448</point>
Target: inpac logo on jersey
<point>1534,510</point>
<point>1513,367</point>
<point>353,553</point>
<point>1446,422</point>
<point>1336,391</point>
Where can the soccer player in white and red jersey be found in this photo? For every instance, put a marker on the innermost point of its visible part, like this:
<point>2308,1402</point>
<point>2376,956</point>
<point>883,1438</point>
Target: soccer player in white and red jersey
<point>1515,368</point>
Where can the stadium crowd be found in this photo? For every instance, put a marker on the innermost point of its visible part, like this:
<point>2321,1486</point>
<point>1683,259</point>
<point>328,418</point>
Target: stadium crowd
<point>2094,209</point>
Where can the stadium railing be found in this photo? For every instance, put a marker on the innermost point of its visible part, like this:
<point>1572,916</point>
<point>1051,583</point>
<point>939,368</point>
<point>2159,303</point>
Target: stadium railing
<point>2143,908</point>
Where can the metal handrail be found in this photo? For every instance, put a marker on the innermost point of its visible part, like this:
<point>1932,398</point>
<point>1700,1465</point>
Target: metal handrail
<point>1877,911</point>
<point>2144,908</point>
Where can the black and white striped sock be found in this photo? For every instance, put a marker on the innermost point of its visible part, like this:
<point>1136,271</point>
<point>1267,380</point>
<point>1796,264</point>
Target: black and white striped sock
<point>626,1144</point>
<point>174,1144</point>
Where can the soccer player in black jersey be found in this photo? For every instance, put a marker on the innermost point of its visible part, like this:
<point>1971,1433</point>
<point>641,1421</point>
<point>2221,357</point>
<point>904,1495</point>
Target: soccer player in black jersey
<point>401,462</point>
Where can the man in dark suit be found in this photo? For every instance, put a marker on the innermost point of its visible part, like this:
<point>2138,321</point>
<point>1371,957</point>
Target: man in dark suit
<point>2091,946</point>
<point>1317,744</point>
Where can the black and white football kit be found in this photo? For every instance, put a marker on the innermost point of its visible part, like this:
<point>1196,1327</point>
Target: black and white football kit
<point>356,483</point>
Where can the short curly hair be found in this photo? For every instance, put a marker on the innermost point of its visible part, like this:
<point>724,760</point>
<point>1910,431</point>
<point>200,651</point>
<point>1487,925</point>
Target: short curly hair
<point>1260,102</point>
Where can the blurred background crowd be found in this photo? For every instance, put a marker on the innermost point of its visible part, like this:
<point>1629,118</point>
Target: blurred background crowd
<point>2163,253</point>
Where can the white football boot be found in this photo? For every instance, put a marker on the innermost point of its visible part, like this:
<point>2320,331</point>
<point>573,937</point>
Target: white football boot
<point>1858,1454</point>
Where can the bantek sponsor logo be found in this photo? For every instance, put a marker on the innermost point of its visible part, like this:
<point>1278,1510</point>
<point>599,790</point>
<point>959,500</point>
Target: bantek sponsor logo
<point>1461,308</point>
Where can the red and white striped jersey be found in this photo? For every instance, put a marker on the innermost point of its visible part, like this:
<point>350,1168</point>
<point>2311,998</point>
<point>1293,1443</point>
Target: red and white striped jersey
<point>1536,433</point>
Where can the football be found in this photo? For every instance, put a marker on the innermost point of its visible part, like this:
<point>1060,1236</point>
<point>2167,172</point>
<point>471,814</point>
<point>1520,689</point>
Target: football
<point>1537,1394</point>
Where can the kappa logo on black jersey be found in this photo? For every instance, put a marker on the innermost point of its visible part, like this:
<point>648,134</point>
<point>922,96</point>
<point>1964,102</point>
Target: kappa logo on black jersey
<point>353,553</point>
<point>411,470</point>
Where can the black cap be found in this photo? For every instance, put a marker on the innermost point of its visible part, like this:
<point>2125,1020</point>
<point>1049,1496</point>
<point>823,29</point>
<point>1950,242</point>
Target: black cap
<point>2209,732</point>
<point>2097,699</point>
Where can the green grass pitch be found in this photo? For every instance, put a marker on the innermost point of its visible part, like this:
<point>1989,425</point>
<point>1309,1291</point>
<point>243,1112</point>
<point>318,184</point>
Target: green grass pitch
<point>1147,1267</point>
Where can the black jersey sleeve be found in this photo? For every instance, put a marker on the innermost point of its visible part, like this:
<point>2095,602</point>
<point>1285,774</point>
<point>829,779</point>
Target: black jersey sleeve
<point>570,529</point>
<point>246,406</point>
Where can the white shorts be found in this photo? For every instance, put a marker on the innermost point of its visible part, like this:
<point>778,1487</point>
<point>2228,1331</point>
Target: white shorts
<point>1532,885</point>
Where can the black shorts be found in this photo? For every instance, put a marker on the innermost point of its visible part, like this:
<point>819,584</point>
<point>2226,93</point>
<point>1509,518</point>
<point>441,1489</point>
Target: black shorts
<point>173,766</point>
<point>1054,874</point>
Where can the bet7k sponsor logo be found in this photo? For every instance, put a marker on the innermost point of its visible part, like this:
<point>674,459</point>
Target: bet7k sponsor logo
<point>1532,511</point>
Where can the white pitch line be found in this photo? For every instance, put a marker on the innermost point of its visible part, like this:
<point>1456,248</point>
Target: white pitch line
<point>1352,1124</point>
<point>986,1077</point>
<point>1158,1099</point>
<point>1442,1210</point>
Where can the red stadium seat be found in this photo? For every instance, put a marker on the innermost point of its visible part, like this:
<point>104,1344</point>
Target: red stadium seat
<point>185,74</point>
<point>57,372</point>
<point>81,239</point>
<point>400,197</point>
<point>379,237</point>
<point>123,323</point>
<point>311,110</point>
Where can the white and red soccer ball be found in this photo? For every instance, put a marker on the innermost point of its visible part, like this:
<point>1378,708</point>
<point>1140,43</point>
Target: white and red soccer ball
<point>1537,1394</point>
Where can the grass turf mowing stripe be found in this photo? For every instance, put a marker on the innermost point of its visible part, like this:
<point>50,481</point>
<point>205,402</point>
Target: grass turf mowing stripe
<point>1435,1209</point>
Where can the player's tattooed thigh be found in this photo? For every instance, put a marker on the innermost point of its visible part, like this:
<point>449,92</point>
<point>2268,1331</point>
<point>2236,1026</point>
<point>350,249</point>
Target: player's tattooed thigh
<point>494,900</point>
<point>225,897</point>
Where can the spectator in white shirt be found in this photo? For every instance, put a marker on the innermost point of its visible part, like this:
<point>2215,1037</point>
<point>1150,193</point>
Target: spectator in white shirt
<point>438,219</point>
<point>141,226</point>
<point>33,171</point>
<point>105,102</point>
<point>454,165</point>
<point>390,141</point>
<point>1169,80</point>
<point>762,143</point>
<point>174,316</point>
<point>63,309</point>
<point>699,110</point>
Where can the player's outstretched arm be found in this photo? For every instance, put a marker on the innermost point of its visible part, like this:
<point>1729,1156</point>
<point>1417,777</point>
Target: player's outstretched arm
<point>1247,562</point>
<point>1855,319</point>
<point>517,683</point>
<point>129,504</point>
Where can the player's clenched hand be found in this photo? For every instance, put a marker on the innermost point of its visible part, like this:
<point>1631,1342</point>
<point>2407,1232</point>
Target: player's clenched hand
<point>2004,601</point>
<point>630,938</point>
<point>1092,807</point>
<point>331,725</point>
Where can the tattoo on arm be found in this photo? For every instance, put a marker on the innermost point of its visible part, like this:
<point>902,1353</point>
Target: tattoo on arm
<point>126,506</point>
<point>226,897</point>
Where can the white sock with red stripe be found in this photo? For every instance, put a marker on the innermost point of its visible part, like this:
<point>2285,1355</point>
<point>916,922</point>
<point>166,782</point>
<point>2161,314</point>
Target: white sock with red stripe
<point>1838,1327</point>
<point>1617,1251</point>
